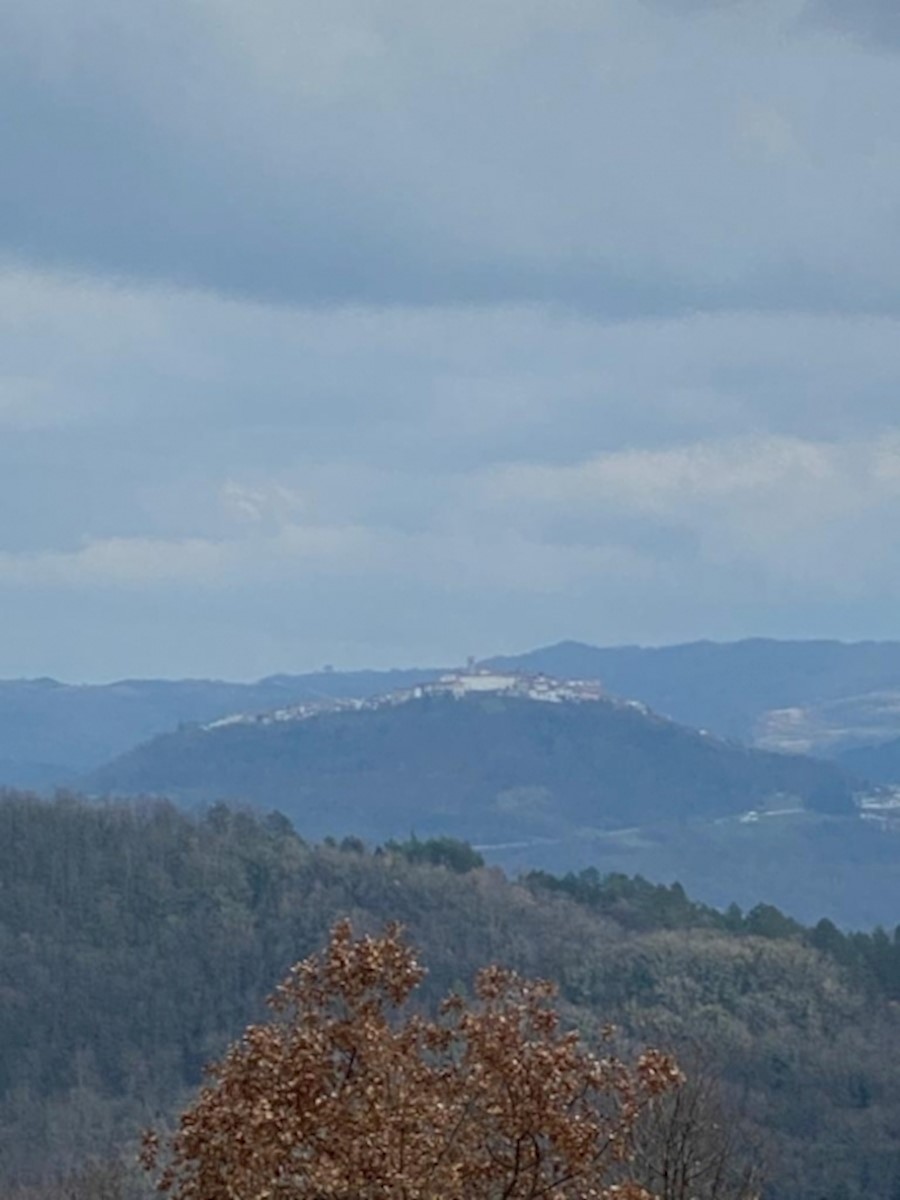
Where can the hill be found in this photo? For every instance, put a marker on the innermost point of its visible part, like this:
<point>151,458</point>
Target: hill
<point>138,941</point>
<point>479,758</point>
<point>561,786</point>
<point>50,731</point>
<point>880,763</point>
<point>811,696</point>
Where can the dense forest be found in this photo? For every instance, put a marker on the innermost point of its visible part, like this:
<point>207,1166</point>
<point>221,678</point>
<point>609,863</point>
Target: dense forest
<point>137,941</point>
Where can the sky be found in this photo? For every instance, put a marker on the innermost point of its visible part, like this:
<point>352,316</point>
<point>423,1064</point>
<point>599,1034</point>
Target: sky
<point>390,332</point>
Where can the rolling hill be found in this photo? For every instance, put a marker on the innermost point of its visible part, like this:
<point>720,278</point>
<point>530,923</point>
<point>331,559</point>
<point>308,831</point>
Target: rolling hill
<point>812,697</point>
<point>50,731</point>
<point>807,696</point>
<point>563,786</point>
<point>138,941</point>
<point>484,764</point>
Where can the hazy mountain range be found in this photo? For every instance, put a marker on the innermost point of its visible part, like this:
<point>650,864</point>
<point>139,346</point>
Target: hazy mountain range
<point>484,766</point>
<point>817,697</point>
<point>561,785</point>
<point>51,731</point>
<point>807,696</point>
<point>683,789</point>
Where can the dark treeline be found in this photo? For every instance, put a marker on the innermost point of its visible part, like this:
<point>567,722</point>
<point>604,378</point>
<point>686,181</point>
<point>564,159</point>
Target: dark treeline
<point>138,941</point>
<point>871,960</point>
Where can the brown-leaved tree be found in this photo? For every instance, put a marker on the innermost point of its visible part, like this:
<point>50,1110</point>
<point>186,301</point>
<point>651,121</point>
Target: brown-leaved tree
<point>344,1095</point>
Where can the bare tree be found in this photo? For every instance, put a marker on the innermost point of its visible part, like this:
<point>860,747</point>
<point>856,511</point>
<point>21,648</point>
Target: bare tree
<point>690,1144</point>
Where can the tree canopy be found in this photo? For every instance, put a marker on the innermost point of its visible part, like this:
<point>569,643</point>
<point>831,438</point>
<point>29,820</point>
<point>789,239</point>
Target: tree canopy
<point>347,1093</point>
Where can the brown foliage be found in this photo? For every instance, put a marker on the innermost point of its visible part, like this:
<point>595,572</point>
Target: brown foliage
<point>343,1096</point>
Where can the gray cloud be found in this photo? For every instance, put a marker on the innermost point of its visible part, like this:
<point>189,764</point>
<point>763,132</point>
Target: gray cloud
<point>874,21</point>
<point>381,485</point>
<point>381,330</point>
<point>616,157</point>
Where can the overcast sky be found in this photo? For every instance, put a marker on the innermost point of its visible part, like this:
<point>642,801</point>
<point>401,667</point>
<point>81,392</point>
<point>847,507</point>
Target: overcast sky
<point>386,332</point>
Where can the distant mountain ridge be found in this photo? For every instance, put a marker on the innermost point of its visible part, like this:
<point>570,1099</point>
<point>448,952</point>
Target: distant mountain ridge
<point>544,770</point>
<point>816,697</point>
<point>560,785</point>
<point>50,731</point>
<point>740,689</point>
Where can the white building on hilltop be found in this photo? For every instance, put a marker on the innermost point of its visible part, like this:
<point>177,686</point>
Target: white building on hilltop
<point>530,687</point>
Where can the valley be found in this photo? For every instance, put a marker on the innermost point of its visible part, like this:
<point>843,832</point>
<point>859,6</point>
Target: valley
<point>693,887</point>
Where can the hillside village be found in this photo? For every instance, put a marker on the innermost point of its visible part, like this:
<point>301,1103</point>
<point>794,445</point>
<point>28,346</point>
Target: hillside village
<point>456,684</point>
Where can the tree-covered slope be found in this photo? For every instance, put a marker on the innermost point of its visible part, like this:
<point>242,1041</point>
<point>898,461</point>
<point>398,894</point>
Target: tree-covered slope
<point>488,768</point>
<point>51,730</point>
<point>555,786</point>
<point>823,695</point>
<point>137,941</point>
<point>879,763</point>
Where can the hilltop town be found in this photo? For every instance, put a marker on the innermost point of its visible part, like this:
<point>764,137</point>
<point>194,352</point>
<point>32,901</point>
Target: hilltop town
<point>455,684</point>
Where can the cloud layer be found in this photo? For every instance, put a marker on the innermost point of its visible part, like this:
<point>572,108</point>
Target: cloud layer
<point>374,331</point>
<point>621,157</point>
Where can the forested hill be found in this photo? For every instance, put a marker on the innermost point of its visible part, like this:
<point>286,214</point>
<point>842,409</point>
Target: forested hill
<point>793,695</point>
<point>137,941</point>
<point>556,786</point>
<point>880,763</point>
<point>51,731</point>
<point>484,767</point>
